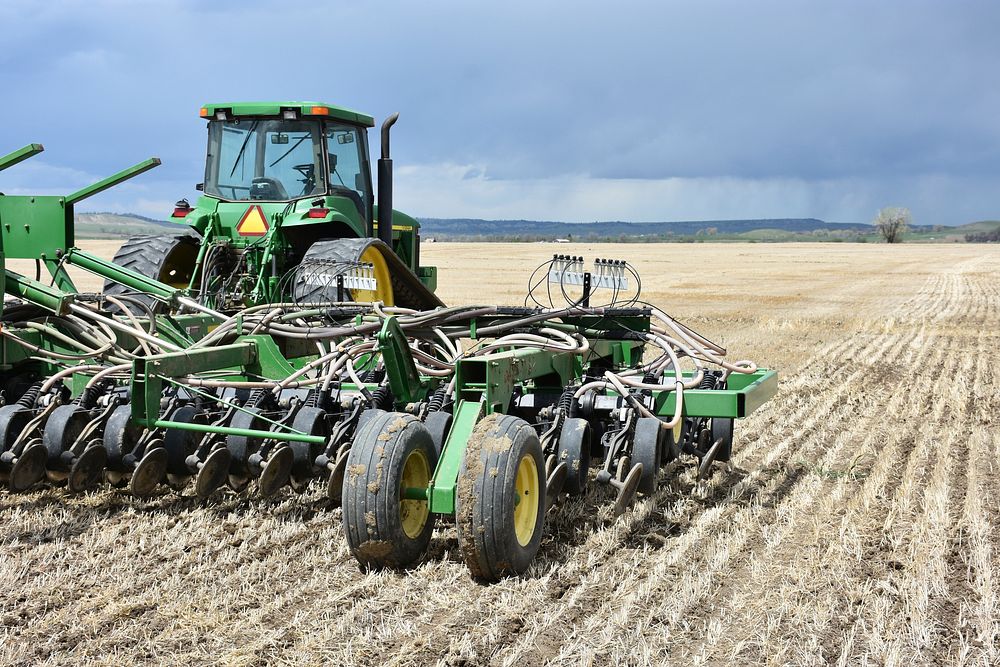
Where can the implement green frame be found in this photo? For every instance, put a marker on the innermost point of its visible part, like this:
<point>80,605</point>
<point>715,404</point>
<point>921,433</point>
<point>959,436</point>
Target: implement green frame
<point>486,384</point>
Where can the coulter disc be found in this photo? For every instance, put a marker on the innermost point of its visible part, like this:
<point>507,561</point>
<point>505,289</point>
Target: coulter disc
<point>87,469</point>
<point>627,490</point>
<point>29,468</point>
<point>277,472</point>
<point>150,471</point>
<point>213,472</point>
<point>335,485</point>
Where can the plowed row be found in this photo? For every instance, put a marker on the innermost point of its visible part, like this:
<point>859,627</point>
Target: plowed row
<point>858,523</point>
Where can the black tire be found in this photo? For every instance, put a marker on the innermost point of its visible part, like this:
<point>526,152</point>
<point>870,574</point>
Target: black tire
<point>62,428</point>
<point>503,451</point>
<point>574,449</point>
<point>311,421</point>
<point>722,427</point>
<point>13,419</point>
<point>438,423</point>
<point>120,437</point>
<point>181,443</point>
<point>315,276</point>
<point>169,258</point>
<point>367,416</point>
<point>383,529</point>
<point>647,444</point>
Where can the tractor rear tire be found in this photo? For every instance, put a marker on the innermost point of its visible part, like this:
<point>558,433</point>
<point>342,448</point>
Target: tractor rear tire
<point>384,529</point>
<point>168,258</point>
<point>500,499</point>
<point>316,275</point>
<point>315,278</point>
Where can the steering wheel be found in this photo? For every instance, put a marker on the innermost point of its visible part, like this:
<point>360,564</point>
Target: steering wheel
<point>308,179</point>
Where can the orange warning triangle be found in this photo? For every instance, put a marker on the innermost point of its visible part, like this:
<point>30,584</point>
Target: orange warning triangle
<point>253,223</point>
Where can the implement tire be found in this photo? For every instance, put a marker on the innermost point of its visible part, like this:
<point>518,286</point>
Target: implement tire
<point>500,499</point>
<point>168,258</point>
<point>391,452</point>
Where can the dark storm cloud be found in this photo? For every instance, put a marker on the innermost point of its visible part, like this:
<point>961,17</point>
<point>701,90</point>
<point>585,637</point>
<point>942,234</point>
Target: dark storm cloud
<point>826,109</point>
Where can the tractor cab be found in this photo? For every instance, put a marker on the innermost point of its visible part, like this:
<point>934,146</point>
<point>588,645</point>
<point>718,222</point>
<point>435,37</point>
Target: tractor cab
<point>285,153</point>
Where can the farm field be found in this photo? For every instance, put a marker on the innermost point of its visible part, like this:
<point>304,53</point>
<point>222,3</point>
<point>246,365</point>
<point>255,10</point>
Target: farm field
<point>858,523</point>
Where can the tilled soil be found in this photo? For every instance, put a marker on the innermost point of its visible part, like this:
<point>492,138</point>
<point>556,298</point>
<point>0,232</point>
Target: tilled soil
<point>858,522</point>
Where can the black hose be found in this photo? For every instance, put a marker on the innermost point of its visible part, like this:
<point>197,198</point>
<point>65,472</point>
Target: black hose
<point>382,398</point>
<point>29,397</point>
<point>437,399</point>
<point>567,402</point>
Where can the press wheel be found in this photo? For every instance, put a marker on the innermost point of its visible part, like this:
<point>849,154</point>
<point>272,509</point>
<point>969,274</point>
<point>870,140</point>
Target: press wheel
<point>646,448</point>
<point>574,450</point>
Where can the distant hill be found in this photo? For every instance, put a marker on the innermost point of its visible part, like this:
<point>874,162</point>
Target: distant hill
<point>533,230</point>
<point>124,225</point>
<point>118,225</point>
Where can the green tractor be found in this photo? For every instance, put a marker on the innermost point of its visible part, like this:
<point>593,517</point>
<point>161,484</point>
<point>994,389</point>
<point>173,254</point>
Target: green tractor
<point>288,214</point>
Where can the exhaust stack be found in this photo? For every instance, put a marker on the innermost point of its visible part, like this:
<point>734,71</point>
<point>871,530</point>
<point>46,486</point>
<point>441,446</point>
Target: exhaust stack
<point>385,184</point>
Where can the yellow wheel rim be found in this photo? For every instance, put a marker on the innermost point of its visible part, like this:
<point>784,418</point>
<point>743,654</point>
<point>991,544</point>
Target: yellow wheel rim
<point>416,475</point>
<point>383,279</point>
<point>526,503</point>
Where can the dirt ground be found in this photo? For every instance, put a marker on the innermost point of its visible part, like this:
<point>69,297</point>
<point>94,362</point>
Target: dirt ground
<point>858,523</point>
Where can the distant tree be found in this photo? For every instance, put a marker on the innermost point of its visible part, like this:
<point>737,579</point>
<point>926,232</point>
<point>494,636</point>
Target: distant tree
<point>892,222</point>
<point>984,237</point>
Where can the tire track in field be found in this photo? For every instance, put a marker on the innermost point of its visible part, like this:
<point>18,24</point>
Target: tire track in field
<point>797,545</point>
<point>849,652</point>
<point>712,517</point>
<point>922,616</point>
<point>814,610</point>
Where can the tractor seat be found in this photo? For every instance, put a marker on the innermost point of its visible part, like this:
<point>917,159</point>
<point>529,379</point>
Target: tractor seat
<point>350,194</point>
<point>267,188</point>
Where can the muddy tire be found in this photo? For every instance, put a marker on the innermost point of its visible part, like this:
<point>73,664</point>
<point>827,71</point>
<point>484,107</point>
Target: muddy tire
<point>500,500</point>
<point>384,529</point>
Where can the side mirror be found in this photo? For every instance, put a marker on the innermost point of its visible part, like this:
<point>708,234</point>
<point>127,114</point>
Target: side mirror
<point>279,138</point>
<point>200,187</point>
<point>345,138</point>
<point>359,182</point>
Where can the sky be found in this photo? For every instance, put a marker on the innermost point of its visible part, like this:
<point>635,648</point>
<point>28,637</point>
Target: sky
<point>571,111</point>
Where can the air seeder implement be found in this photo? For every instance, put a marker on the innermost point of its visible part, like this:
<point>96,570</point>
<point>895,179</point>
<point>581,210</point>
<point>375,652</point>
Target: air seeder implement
<point>286,333</point>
